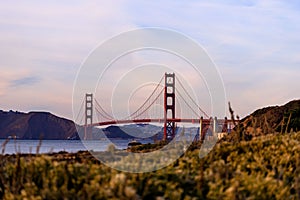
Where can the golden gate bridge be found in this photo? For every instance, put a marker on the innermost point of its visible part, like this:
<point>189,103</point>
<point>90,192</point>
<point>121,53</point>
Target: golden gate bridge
<point>163,94</point>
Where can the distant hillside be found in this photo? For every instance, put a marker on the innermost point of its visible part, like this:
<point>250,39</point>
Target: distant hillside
<point>35,125</point>
<point>130,131</point>
<point>272,119</point>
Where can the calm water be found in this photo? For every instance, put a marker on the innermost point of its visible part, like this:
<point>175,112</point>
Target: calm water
<point>48,146</point>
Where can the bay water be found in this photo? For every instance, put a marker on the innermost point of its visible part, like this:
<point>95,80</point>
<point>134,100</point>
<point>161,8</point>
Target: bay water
<point>53,146</point>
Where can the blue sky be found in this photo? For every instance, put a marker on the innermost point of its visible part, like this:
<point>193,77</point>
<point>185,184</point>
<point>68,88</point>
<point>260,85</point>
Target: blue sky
<point>255,45</point>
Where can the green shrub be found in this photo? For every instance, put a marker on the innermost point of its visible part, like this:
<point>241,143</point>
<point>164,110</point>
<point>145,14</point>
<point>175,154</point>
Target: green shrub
<point>267,167</point>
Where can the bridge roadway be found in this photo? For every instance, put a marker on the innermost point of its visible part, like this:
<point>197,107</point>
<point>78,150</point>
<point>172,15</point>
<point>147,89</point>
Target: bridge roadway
<point>178,120</point>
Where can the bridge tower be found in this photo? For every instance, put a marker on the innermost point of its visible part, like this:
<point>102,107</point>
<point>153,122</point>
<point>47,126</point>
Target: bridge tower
<point>88,115</point>
<point>169,106</point>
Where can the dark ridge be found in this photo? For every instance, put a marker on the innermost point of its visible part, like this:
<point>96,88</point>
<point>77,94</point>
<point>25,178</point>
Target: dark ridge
<point>35,125</point>
<point>273,119</point>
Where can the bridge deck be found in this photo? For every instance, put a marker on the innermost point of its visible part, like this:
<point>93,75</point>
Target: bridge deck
<point>178,120</point>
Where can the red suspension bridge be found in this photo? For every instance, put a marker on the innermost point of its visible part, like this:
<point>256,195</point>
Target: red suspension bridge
<point>165,96</point>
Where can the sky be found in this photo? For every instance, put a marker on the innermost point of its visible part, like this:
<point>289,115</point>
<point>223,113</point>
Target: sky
<point>254,44</point>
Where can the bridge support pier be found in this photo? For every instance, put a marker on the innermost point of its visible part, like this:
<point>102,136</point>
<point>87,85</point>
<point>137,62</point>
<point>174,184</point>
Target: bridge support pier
<point>215,125</point>
<point>225,126</point>
<point>169,106</point>
<point>201,134</point>
<point>88,116</point>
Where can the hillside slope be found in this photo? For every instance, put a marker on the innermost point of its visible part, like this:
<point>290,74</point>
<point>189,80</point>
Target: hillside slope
<point>35,125</point>
<point>280,119</point>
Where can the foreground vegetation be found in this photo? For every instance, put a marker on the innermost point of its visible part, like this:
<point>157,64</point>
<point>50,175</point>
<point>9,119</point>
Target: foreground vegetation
<point>267,167</point>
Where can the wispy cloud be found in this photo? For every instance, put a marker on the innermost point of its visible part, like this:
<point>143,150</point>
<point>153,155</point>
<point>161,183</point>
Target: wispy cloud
<point>25,81</point>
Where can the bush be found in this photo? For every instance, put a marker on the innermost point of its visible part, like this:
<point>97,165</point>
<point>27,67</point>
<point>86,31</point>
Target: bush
<point>267,167</point>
